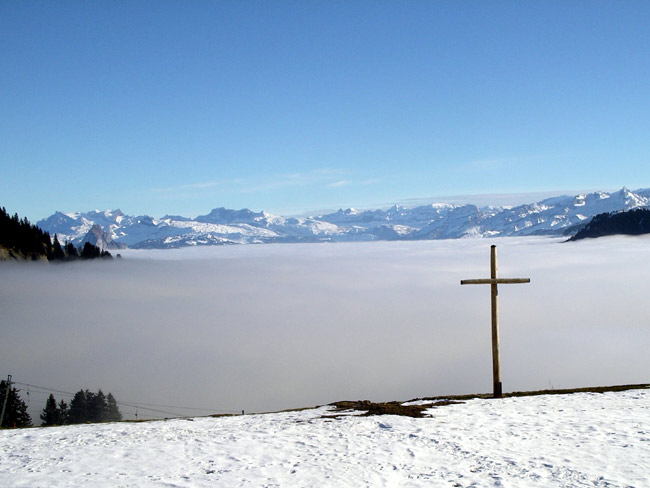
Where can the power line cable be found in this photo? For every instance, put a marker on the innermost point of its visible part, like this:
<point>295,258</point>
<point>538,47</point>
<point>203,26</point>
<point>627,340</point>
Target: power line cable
<point>44,388</point>
<point>184,408</point>
<point>143,406</point>
<point>151,409</point>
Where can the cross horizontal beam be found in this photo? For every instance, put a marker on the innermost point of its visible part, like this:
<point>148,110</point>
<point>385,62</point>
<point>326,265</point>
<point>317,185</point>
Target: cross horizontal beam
<point>495,281</point>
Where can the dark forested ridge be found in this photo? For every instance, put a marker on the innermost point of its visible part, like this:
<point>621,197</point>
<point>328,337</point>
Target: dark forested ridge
<point>21,240</point>
<point>632,222</point>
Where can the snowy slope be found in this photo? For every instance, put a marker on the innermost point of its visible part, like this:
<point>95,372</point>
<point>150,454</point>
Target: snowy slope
<point>552,216</point>
<point>586,439</point>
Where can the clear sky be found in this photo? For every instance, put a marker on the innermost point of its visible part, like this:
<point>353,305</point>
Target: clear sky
<point>161,107</point>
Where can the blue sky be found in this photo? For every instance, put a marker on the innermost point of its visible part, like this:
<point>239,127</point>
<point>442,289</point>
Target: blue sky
<point>161,107</point>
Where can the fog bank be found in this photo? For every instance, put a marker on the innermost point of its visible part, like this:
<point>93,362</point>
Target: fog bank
<point>268,327</point>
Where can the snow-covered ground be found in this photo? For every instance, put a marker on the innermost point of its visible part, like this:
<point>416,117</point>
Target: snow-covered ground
<point>585,439</point>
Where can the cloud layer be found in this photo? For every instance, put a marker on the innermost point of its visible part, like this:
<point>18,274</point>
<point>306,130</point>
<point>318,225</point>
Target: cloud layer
<point>270,327</point>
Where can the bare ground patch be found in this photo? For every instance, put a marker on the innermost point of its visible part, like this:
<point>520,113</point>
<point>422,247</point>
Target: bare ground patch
<point>399,408</point>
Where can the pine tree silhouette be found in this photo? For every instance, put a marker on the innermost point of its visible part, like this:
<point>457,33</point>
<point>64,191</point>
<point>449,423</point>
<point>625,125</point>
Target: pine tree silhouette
<point>78,412</point>
<point>51,414</point>
<point>112,413</point>
<point>16,411</point>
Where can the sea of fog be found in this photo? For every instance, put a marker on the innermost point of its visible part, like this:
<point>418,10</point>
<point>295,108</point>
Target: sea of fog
<point>269,327</point>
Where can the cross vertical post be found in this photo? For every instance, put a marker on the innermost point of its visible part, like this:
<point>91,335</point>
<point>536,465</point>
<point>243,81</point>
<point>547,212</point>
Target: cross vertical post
<point>494,281</point>
<point>496,357</point>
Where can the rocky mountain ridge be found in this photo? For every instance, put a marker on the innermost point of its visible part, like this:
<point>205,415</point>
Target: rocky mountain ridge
<point>552,216</point>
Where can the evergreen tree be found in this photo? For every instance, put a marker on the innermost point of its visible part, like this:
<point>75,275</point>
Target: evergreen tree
<point>90,251</point>
<point>16,411</point>
<point>96,405</point>
<point>64,413</point>
<point>57,250</point>
<point>112,412</point>
<point>51,414</point>
<point>78,411</point>
<point>71,251</point>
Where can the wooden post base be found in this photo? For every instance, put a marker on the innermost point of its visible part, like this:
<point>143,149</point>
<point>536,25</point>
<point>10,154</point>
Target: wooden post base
<point>498,389</point>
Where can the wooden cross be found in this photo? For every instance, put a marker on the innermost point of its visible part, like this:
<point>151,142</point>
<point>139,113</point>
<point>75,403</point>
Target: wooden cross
<point>493,281</point>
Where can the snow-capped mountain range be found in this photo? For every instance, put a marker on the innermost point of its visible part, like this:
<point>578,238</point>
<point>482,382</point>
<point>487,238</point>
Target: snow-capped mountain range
<point>112,229</point>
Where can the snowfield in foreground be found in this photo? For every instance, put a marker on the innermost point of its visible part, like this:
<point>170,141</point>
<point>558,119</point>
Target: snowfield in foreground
<point>585,439</point>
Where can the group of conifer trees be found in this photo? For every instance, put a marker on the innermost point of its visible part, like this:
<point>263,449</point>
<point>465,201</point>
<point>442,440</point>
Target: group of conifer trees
<point>25,240</point>
<point>20,236</point>
<point>84,407</point>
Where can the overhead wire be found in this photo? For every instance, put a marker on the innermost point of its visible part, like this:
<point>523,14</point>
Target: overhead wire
<point>184,408</point>
<point>136,405</point>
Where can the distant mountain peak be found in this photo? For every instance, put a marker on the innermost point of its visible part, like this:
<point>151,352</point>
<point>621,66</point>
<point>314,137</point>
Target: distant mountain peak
<point>97,237</point>
<point>226,215</point>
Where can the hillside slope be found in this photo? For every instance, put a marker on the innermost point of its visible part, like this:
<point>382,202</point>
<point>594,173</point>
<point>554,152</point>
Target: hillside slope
<point>583,439</point>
